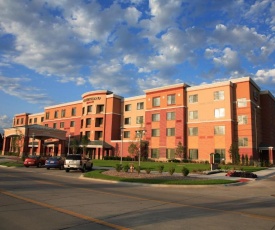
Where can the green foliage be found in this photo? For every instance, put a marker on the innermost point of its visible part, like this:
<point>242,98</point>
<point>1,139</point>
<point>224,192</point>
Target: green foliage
<point>133,149</point>
<point>234,153</point>
<point>118,167</point>
<point>84,142</point>
<point>171,170</point>
<point>185,171</point>
<point>126,168</point>
<point>181,151</point>
<point>160,168</point>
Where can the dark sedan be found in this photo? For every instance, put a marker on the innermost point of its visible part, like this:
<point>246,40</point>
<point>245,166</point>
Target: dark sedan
<point>33,160</point>
<point>54,162</point>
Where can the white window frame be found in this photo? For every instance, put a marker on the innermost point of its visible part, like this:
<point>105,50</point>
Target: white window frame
<point>242,119</point>
<point>156,117</point>
<point>193,98</point>
<point>156,101</point>
<point>219,95</point>
<point>193,131</point>
<point>219,130</point>
<point>242,102</point>
<point>219,112</point>
<point>170,116</point>
<point>193,115</point>
<point>171,99</point>
<point>243,141</point>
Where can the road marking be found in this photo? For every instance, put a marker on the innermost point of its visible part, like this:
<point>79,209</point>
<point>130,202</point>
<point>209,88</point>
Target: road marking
<point>94,220</point>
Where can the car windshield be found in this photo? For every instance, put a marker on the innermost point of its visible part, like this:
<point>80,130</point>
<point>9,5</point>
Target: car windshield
<point>32,157</point>
<point>73,157</point>
<point>55,158</point>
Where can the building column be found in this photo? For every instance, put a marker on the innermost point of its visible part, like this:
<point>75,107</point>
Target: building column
<point>25,146</point>
<point>270,153</point>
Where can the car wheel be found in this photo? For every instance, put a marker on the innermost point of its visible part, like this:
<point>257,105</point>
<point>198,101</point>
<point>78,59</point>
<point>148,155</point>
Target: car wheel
<point>48,168</point>
<point>67,170</point>
<point>84,168</point>
<point>26,166</point>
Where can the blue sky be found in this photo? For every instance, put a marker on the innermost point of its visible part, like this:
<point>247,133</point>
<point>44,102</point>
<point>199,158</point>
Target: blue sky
<point>52,52</point>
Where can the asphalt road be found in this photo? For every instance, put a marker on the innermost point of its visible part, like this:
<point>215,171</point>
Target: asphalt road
<point>36,198</point>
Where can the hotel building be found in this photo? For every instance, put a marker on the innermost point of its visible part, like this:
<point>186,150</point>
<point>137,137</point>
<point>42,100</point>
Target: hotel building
<point>204,119</point>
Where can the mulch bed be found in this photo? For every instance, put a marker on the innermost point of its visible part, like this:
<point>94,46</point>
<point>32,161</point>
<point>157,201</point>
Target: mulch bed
<point>144,175</point>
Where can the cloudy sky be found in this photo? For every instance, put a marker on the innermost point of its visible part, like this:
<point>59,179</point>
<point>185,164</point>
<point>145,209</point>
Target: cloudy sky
<point>52,51</point>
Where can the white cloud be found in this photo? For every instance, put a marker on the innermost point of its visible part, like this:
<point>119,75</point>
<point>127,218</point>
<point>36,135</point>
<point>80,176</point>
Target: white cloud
<point>265,76</point>
<point>5,122</point>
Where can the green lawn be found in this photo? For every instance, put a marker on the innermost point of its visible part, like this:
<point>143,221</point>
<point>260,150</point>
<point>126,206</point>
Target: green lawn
<point>193,167</point>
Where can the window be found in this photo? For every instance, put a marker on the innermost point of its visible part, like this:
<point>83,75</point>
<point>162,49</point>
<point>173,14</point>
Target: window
<point>72,124</point>
<point>242,119</point>
<point>98,121</point>
<point>219,112</point>
<point>219,130</point>
<point>154,153</point>
<point>139,119</point>
<point>170,153</point>
<point>193,131</point>
<point>46,125</point>
<point>89,108</point>
<point>156,117</point>
<point>170,132</point>
<point>193,98</point>
<point>100,109</point>
<point>30,120</point>
<point>170,116</point>
<point>242,102</point>
<point>54,125</point>
<point>22,120</point>
<point>171,99</point>
<point>127,121</point>
<point>222,153</point>
<point>218,95</point>
<point>156,101</point>
<point>55,114</point>
<point>73,111</point>
<point>83,110</point>
<point>193,115</point>
<point>126,134</point>
<point>243,141</point>
<point>128,107</point>
<point>98,135</point>
<point>42,119</point>
<point>140,105</point>
<point>155,132</point>
<point>61,124</point>
<point>81,124</point>
<point>88,122</point>
<point>35,120</point>
<point>17,121</point>
<point>63,112</point>
<point>88,134</point>
<point>47,115</point>
<point>193,154</point>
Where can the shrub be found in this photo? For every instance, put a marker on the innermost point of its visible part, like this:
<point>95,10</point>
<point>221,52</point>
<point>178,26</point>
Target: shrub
<point>138,169</point>
<point>126,168</point>
<point>160,168</point>
<point>148,170</point>
<point>241,174</point>
<point>185,171</point>
<point>118,167</point>
<point>171,170</point>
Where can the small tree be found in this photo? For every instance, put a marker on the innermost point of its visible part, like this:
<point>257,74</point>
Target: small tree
<point>74,145</point>
<point>181,151</point>
<point>84,142</point>
<point>133,149</point>
<point>234,153</point>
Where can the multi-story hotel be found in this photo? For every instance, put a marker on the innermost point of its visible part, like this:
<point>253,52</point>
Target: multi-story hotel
<point>203,119</point>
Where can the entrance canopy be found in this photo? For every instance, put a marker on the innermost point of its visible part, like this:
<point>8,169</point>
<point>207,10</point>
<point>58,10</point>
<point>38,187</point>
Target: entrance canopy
<point>37,131</point>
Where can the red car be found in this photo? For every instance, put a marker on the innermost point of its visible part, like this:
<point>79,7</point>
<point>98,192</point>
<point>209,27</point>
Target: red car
<point>33,160</point>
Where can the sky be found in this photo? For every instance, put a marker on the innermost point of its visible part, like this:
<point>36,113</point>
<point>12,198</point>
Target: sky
<point>51,52</point>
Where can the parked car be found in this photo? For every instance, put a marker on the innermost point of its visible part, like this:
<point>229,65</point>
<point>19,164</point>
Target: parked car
<point>77,162</point>
<point>54,162</point>
<point>33,160</point>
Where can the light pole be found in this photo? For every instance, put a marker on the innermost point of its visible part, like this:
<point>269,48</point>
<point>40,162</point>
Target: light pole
<point>32,143</point>
<point>140,134</point>
<point>69,144</point>
<point>121,152</point>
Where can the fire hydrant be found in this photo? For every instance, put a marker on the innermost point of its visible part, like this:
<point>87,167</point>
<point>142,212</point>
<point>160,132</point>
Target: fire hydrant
<point>132,168</point>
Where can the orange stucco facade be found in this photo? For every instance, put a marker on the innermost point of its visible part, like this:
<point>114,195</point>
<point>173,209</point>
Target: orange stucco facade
<point>205,119</point>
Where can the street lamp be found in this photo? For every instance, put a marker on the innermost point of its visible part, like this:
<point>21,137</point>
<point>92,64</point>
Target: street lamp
<point>121,152</point>
<point>32,143</point>
<point>69,144</point>
<point>140,133</point>
<point>256,131</point>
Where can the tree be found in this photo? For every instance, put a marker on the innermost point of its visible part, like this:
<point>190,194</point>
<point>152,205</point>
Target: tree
<point>84,142</point>
<point>74,145</point>
<point>234,153</point>
<point>133,149</point>
<point>181,151</point>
